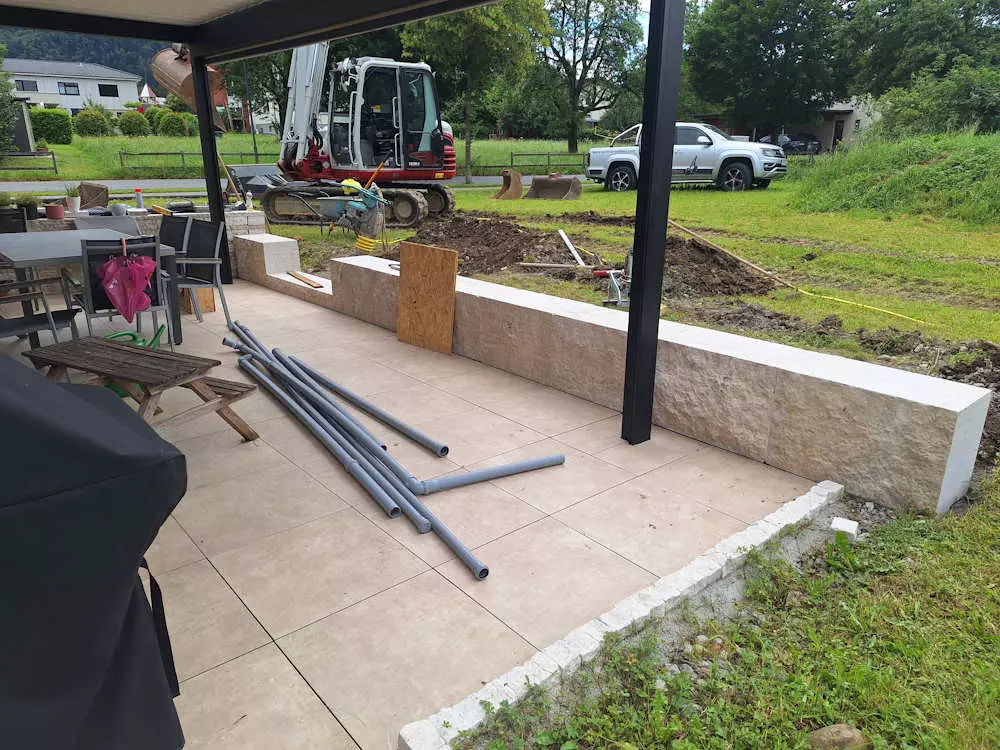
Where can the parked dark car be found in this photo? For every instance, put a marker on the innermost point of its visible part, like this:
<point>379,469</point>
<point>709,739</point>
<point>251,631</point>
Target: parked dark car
<point>799,143</point>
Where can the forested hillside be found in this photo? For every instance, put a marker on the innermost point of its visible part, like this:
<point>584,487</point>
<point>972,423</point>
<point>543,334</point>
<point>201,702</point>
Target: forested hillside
<point>132,55</point>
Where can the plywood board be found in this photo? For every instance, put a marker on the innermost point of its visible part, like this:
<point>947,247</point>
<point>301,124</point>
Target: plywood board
<point>426,313</point>
<point>206,300</point>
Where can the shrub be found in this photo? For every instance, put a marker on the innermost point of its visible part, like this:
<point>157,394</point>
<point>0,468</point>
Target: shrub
<point>133,124</point>
<point>25,200</point>
<point>4,200</point>
<point>172,124</point>
<point>41,144</point>
<point>53,125</point>
<point>152,115</point>
<point>191,121</point>
<point>132,105</point>
<point>91,122</point>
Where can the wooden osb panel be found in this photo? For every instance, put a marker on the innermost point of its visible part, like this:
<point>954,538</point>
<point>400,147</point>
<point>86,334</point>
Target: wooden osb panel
<point>206,300</point>
<point>426,312</point>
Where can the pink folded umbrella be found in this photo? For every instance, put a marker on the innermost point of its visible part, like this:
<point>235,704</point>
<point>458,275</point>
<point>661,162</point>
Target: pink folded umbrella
<point>125,279</point>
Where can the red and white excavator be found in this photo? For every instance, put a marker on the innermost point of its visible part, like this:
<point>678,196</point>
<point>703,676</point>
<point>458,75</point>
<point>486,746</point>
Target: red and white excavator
<point>382,122</point>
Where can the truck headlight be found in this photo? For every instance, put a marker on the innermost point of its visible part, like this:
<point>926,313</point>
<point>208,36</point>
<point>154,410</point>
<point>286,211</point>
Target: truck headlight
<point>775,153</point>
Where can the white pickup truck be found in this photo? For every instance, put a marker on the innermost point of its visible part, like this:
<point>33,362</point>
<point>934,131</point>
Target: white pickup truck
<point>702,154</point>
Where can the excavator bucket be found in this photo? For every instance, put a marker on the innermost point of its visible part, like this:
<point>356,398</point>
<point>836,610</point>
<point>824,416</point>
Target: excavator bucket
<point>555,187</point>
<point>511,189</point>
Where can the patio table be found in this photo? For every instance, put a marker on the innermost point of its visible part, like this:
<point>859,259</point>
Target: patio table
<point>24,250</point>
<point>145,374</point>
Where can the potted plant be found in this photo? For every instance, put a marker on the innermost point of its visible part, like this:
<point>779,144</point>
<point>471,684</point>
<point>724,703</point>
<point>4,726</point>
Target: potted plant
<point>41,145</point>
<point>30,205</point>
<point>55,210</point>
<point>72,198</point>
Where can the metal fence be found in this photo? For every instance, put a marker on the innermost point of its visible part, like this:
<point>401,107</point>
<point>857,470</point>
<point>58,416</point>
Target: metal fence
<point>46,155</point>
<point>129,159</point>
<point>548,162</point>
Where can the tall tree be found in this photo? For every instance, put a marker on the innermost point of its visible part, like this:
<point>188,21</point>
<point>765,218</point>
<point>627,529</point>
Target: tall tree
<point>769,62</point>
<point>593,45</point>
<point>7,111</point>
<point>470,47</point>
<point>891,41</point>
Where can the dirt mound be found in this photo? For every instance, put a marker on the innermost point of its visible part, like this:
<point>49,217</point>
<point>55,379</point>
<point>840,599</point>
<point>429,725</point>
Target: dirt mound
<point>971,362</point>
<point>696,270</point>
<point>490,245</point>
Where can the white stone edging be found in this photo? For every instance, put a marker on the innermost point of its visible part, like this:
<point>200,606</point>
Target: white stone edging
<point>629,616</point>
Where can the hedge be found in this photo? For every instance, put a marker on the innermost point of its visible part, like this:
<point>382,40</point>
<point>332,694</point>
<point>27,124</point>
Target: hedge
<point>171,123</point>
<point>152,115</point>
<point>52,125</point>
<point>133,124</point>
<point>191,121</point>
<point>91,122</point>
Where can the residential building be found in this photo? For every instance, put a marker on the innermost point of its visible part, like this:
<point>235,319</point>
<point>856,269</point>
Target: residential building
<point>69,85</point>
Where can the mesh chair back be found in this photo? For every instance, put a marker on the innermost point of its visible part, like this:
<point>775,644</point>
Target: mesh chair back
<point>13,221</point>
<point>204,241</point>
<point>124,224</point>
<point>174,232</point>
<point>97,252</point>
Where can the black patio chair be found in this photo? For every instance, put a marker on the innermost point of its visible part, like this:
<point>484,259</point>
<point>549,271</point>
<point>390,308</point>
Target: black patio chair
<point>201,267</point>
<point>31,290</point>
<point>90,295</point>
<point>174,232</point>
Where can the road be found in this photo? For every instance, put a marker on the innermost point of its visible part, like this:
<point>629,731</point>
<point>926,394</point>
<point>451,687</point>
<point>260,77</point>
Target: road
<point>58,187</point>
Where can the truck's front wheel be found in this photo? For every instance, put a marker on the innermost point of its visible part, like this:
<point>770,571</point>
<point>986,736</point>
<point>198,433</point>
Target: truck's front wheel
<point>620,179</point>
<point>735,176</point>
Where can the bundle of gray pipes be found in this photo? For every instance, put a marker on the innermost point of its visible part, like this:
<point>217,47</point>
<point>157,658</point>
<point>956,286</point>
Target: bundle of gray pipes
<point>310,397</point>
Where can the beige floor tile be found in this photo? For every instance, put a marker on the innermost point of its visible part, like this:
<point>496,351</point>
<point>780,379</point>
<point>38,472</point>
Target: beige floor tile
<point>476,514</point>
<point>223,455</point>
<point>547,579</point>
<point>550,411</point>
<point>254,409</point>
<point>603,439</point>
<point>743,488</point>
<point>171,549</point>
<point>421,403</point>
<point>416,362</point>
<point>403,655</point>
<point>650,526</point>
<point>229,514</point>
<point>294,578</point>
<point>208,624</point>
<point>556,487</point>
<point>291,439</point>
<point>476,435</point>
<point>257,702</point>
<point>357,372</point>
<point>484,385</point>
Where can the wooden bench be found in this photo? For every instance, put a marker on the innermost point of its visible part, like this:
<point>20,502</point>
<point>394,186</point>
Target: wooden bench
<point>218,395</point>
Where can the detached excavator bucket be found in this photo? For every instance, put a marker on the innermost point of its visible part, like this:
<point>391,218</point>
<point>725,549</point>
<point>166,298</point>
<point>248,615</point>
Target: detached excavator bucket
<point>555,187</point>
<point>511,189</point>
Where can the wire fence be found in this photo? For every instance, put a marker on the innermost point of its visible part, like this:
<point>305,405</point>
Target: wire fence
<point>149,159</point>
<point>49,158</point>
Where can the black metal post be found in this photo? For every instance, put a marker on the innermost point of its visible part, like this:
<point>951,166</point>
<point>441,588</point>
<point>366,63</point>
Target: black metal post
<point>253,131</point>
<point>656,156</point>
<point>205,108</point>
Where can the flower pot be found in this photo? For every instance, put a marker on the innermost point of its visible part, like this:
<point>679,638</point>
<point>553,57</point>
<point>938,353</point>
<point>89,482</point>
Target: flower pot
<point>73,203</point>
<point>55,211</point>
<point>31,212</point>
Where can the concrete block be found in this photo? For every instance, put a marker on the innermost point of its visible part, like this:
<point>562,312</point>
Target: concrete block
<point>540,668</point>
<point>263,255</point>
<point>420,735</point>
<point>737,546</point>
<point>830,490</point>
<point>494,693</point>
<point>845,525</point>
<point>588,638</point>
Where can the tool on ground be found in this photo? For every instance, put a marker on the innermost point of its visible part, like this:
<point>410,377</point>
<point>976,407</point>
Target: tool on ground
<point>511,187</point>
<point>569,246</point>
<point>309,396</point>
<point>555,187</point>
<point>619,282</point>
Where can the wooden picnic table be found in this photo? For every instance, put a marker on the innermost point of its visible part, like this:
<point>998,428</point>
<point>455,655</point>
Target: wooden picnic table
<point>145,374</point>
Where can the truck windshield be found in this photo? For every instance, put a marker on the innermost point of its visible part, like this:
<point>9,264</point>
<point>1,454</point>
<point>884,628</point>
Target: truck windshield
<point>715,131</point>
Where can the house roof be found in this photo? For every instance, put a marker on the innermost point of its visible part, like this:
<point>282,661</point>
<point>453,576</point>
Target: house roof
<point>65,69</point>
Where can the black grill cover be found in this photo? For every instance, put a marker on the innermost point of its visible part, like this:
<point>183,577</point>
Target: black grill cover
<point>84,486</point>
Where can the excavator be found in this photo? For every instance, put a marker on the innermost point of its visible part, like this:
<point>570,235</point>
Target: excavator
<point>382,122</point>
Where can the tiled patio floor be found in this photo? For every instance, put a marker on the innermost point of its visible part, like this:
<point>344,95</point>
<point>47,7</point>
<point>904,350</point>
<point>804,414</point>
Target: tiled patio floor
<point>302,618</point>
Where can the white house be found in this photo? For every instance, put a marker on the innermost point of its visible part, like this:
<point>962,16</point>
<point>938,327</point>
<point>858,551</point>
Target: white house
<point>53,83</point>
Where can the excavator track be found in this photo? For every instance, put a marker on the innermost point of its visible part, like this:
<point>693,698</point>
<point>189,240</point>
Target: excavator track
<point>297,204</point>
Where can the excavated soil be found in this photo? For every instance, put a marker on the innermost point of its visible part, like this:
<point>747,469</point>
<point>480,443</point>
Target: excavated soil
<point>489,245</point>
<point>971,362</point>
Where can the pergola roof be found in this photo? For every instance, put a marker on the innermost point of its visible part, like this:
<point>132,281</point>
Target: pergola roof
<point>224,29</point>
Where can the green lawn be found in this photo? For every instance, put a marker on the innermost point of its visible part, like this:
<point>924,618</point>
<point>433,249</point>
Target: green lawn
<point>898,635</point>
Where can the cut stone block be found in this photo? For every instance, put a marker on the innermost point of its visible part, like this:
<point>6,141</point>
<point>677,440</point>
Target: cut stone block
<point>262,255</point>
<point>845,525</point>
<point>894,437</point>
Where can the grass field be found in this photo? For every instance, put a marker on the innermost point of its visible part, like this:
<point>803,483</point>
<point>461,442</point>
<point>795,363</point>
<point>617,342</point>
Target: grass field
<point>97,158</point>
<point>897,636</point>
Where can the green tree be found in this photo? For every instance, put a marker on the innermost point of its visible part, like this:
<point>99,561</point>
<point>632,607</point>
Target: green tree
<point>967,96</point>
<point>90,123</point>
<point>8,113</point>
<point>133,124</point>
<point>891,41</point>
<point>470,47</point>
<point>593,45</point>
<point>769,62</point>
<point>172,124</point>
<point>530,107</point>
<point>175,104</point>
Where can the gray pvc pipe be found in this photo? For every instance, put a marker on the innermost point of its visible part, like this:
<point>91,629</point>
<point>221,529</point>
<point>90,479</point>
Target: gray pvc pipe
<point>394,488</point>
<point>436,447</point>
<point>353,467</point>
<point>484,475</point>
